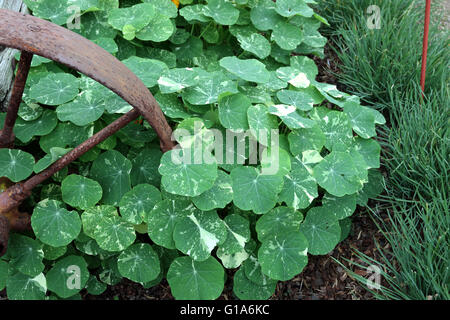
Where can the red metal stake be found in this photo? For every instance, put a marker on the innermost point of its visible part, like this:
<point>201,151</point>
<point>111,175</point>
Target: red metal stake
<point>425,45</point>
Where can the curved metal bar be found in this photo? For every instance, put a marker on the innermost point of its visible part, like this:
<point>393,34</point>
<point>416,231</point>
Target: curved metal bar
<point>46,39</point>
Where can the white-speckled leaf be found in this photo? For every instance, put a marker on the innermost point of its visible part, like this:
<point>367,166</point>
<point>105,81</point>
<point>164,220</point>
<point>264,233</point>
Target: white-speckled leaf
<point>53,224</point>
<point>148,70</point>
<point>80,192</point>
<point>197,234</point>
<point>86,108</point>
<point>15,164</point>
<point>112,170</point>
<point>278,221</point>
<point>291,117</point>
<point>139,263</point>
<point>63,276</point>
<point>250,69</point>
<point>114,233</point>
<point>137,203</point>
<point>182,176</point>
<point>300,189</point>
<point>233,111</point>
<point>283,256</point>
<point>222,11</point>
<point>55,89</point>
<point>255,191</point>
<point>162,219</point>
<point>218,196</point>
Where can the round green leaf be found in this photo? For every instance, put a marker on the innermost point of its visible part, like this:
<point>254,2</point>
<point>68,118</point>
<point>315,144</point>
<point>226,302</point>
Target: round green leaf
<point>278,221</point>
<point>30,112</point>
<point>287,36</point>
<point>322,230</point>
<point>25,255</point>
<point>177,79</point>
<point>337,129</point>
<point>15,164</point>
<point>182,176</point>
<point>114,234</point>
<point>55,89</point>
<point>238,234</point>
<point>261,123</point>
<point>23,287</point>
<point>199,233</point>
<point>68,276</point>
<point>139,263</point>
<point>341,207</point>
<point>210,86</point>
<point>86,108</point>
<point>233,111</point>
<point>145,167</point>
<point>53,224</point>
<point>306,139</point>
<point>112,170</point>
<point>250,70</point>
<point>291,117</point>
<point>221,11</point>
<point>137,16</point>
<point>370,150</point>
<point>255,43</point>
<point>300,189</point>
<point>255,191</point>
<point>80,192</point>
<point>245,289</point>
<point>26,130</point>
<point>289,8</point>
<point>283,256</point>
<point>194,280</point>
<point>253,272</point>
<point>338,173</point>
<point>302,100</point>
<point>159,29</point>
<point>91,217</point>
<point>171,106</point>
<point>136,204</point>
<point>361,118</point>
<point>162,219</point>
<point>263,15</point>
<point>148,70</point>
<point>218,196</point>
<point>53,253</point>
<point>95,287</point>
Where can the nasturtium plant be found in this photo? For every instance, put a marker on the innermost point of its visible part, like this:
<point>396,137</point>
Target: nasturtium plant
<point>269,167</point>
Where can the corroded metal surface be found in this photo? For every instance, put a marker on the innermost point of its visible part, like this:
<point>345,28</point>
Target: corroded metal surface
<point>46,39</point>
<point>7,135</point>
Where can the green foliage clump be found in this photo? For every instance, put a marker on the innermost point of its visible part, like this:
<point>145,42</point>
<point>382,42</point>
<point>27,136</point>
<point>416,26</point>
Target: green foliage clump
<point>125,210</point>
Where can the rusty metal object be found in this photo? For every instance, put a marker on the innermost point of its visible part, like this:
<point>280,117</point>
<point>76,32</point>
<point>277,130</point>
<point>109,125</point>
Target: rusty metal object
<point>35,36</point>
<point>11,220</point>
<point>4,235</point>
<point>46,39</point>
<point>12,197</point>
<point>7,135</point>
